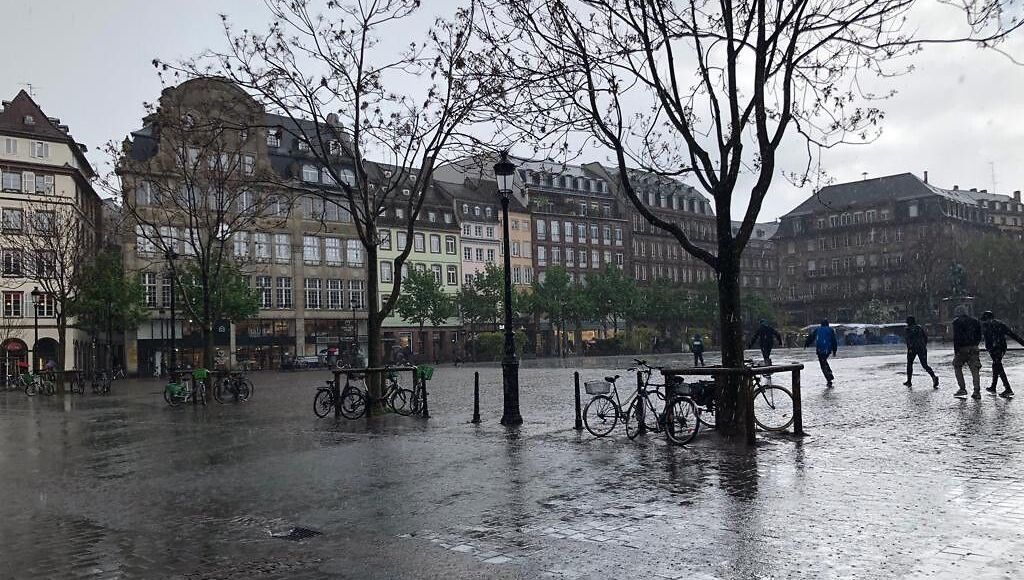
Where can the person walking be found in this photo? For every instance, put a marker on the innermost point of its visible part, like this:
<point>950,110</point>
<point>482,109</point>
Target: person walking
<point>917,347</point>
<point>966,336</point>
<point>995,332</point>
<point>765,337</point>
<point>825,344</point>
<point>697,348</point>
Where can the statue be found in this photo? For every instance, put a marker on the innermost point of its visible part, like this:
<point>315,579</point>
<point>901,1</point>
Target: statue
<point>958,280</point>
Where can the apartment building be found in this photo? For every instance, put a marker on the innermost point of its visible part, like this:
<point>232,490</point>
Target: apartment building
<point>759,264</point>
<point>45,180</point>
<point>1005,213</point>
<point>277,214</point>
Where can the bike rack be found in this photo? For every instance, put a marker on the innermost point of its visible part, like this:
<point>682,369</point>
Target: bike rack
<point>417,383</point>
<point>747,389</point>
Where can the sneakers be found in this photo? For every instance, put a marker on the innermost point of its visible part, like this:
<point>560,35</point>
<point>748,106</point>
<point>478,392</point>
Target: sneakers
<point>976,395</point>
<point>1006,394</point>
<point>961,394</point>
<point>991,390</point>
<point>829,385</point>
<point>907,384</point>
<point>935,382</point>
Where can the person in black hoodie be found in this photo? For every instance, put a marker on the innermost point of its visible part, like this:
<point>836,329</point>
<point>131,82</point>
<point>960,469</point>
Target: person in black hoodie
<point>917,347</point>
<point>995,333</point>
<point>765,337</point>
<point>966,336</point>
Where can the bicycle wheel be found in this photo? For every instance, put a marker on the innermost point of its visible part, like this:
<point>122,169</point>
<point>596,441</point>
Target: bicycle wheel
<point>654,411</point>
<point>244,390</point>
<point>706,415</point>
<point>681,421</point>
<point>171,398</point>
<point>323,403</point>
<point>51,388</point>
<point>201,392</point>
<point>222,390</point>
<point>402,401</point>
<point>600,415</point>
<point>773,407</point>
<point>353,403</point>
<point>31,389</point>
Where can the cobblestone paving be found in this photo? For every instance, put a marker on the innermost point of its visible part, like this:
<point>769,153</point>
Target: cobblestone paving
<point>891,482</point>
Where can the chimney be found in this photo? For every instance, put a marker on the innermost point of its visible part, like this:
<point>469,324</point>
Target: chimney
<point>1016,196</point>
<point>956,187</point>
<point>984,191</point>
<point>974,189</point>
<point>926,177</point>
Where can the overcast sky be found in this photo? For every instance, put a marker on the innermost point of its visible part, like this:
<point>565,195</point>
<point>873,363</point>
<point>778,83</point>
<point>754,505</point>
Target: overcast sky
<point>960,115</point>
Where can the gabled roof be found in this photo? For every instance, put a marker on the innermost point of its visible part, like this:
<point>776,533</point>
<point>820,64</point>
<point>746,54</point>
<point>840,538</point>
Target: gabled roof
<point>12,122</point>
<point>769,229</point>
<point>869,192</point>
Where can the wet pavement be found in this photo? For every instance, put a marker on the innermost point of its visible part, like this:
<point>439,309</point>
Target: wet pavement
<point>890,482</point>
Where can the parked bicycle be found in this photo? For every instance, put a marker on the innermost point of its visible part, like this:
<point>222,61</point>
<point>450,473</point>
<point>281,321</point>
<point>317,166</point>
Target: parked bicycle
<point>235,386</point>
<point>352,404</point>
<point>77,383</point>
<point>642,406</point>
<point>101,383</point>
<point>35,383</point>
<point>187,389</point>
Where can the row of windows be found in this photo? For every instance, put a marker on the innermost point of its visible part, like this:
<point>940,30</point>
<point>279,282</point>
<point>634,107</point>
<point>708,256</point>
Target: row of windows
<point>39,149</point>
<point>17,264</point>
<point>567,229</point>
<point>13,221</point>
<point>676,202</point>
<point>841,289</point>
<point>848,263</point>
<point>223,163</point>
<point>581,258</point>
<point>471,254</point>
<point>450,272</point>
<point>273,293</point>
<point>478,231</point>
<point>563,181</point>
<point>419,242</point>
<point>14,306</point>
<point>873,236</point>
<point>26,182</point>
<point>667,272</point>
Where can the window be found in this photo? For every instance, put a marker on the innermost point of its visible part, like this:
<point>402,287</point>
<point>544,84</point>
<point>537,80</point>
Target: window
<point>478,231</point>
<point>165,290</point>
<point>149,287</point>
<point>490,255</point>
<point>449,245</point>
<point>248,164</point>
<point>264,293</point>
<point>541,229</point>
<point>310,174</point>
<point>387,272</point>
<point>10,146</point>
<point>40,150</point>
<point>912,210</point>
<point>595,258</point>
<point>488,212</point>
<point>618,235</point>
<point>356,295</point>
<point>447,217</point>
<point>313,207</point>
<point>607,257</point>
<point>334,294</point>
<point>435,269</point>
<point>490,231</point>
<point>476,210</point>
<point>467,254</point>
<point>12,304</point>
<point>581,232</point>
<point>11,181</point>
<point>607,235</point>
<point>542,255</point>
<point>313,294</point>
<point>453,275</point>
<point>355,254</point>
<point>332,251</point>
<point>556,256</point>
<point>282,248</point>
<point>479,254</point>
<point>311,250</point>
<point>515,249</point>
<point>619,259</point>
<point>261,244</point>
<point>418,242</point>
<point>435,244</point>
<point>241,243</point>
<point>12,219</point>
<point>403,240</point>
<point>303,146</point>
<point>555,231</point>
<point>593,233</point>
<point>273,138</point>
<point>284,292</point>
<point>582,255</point>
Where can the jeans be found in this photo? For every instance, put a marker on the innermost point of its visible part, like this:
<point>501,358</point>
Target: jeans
<point>698,359</point>
<point>921,355</point>
<point>967,355</point>
<point>766,353</point>
<point>997,368</point>
<point>825,369</point>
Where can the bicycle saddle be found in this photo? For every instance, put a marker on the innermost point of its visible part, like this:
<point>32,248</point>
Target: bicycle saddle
<point>611,379</point>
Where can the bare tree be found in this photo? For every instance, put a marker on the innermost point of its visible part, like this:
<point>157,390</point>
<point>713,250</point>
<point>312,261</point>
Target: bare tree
<point>379,124</point>
<point>194,182</point>
<point>710,91</point>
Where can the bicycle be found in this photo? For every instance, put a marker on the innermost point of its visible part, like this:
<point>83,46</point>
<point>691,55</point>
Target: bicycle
<point>189,389</point>
<point>77,384</point>
<point>235,386</point>
<point>101,383</point>
<point>35,384</point>
<point>604,412</point>
<point>773,404</point>
<point>352,406</point>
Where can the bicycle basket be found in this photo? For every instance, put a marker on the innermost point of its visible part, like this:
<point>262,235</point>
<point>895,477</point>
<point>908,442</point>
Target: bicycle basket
<point>200,374</point>
<point>424,372</point>
<point>597,387</point>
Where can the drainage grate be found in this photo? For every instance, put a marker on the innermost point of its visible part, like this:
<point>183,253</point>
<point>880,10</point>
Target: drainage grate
<point>296,534</point>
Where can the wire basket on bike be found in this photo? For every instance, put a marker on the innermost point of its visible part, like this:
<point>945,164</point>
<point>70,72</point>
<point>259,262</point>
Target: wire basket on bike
<point>597,387</point>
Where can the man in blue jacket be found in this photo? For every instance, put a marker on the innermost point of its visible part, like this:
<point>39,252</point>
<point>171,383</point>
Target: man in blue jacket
<point>825,344</point>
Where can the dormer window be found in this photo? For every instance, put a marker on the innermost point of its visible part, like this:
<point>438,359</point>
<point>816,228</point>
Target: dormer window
<point>30,120</point>
<point>273,139</point>
<point>487,212</point>
<point>302,145</point>
<point>334,147</point>
<point>387,174</point>
<point>465,208</point>
<point>476,210</point>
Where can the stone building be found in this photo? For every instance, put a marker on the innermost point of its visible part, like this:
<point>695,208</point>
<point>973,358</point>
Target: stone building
<point>1005,213</point>
<point>887,241</point>
<point>273,214</point>
<point>45,191</point>
<point>759,264</point>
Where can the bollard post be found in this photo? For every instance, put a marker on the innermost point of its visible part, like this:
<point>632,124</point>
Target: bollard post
<point>426,409</point>
<point>476,397</point>
<point>747,400</point>
<point>336,391</point>
<point>641,427</point>
<point>579,415</point>
<point>798,412</point>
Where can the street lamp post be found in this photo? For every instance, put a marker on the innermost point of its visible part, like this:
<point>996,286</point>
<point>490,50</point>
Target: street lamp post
<point>37,297</point>
<point>355,332</point>
<point>503,171</point>
<point>163,343</point>
<point>171,255</point>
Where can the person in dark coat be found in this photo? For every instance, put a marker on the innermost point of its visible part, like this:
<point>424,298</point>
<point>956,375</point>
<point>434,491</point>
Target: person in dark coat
<point>825,344</point>
<point>765,337</point>
<point>995,332</point>
<point>917,347</point>
<point>697,348</point>
<point>966,336</point>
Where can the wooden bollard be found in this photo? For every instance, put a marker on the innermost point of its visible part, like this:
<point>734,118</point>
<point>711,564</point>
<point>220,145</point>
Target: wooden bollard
<point>579,414</point>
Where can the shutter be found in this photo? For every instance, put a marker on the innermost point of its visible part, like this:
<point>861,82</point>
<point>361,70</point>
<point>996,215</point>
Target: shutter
<point>28,182</point>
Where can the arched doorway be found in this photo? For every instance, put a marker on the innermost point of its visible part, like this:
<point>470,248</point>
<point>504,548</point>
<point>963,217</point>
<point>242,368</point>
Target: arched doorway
<point>46,350</point>
<point>14,360</point>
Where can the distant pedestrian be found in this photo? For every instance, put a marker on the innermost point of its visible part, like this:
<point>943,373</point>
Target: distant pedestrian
<point>917,347</point>
<point>697,348</point>
<point>765,337</point>
<point>825,344</point>
<point>966,336</point>
<point>995,333</point>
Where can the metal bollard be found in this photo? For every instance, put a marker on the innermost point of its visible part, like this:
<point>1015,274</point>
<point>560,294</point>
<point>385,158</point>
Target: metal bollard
<point>641,427</point>
<point>476,397</point>
<point>579,414</point>
<point>798,413</point>
<point>426,409</point>
<point>747,400</point>
<point>336,391</point>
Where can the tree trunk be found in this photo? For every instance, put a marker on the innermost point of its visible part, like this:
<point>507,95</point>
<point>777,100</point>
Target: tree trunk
<point>208,354</point>
<point>62,332</point>
<point>374,324</point>
<point>731,414</point>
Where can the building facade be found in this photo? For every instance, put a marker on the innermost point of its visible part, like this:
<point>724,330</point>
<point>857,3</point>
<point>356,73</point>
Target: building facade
<point>44,180</point>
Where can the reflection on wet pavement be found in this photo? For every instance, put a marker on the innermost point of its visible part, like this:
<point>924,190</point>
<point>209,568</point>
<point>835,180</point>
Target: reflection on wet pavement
<point>890,483</point>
